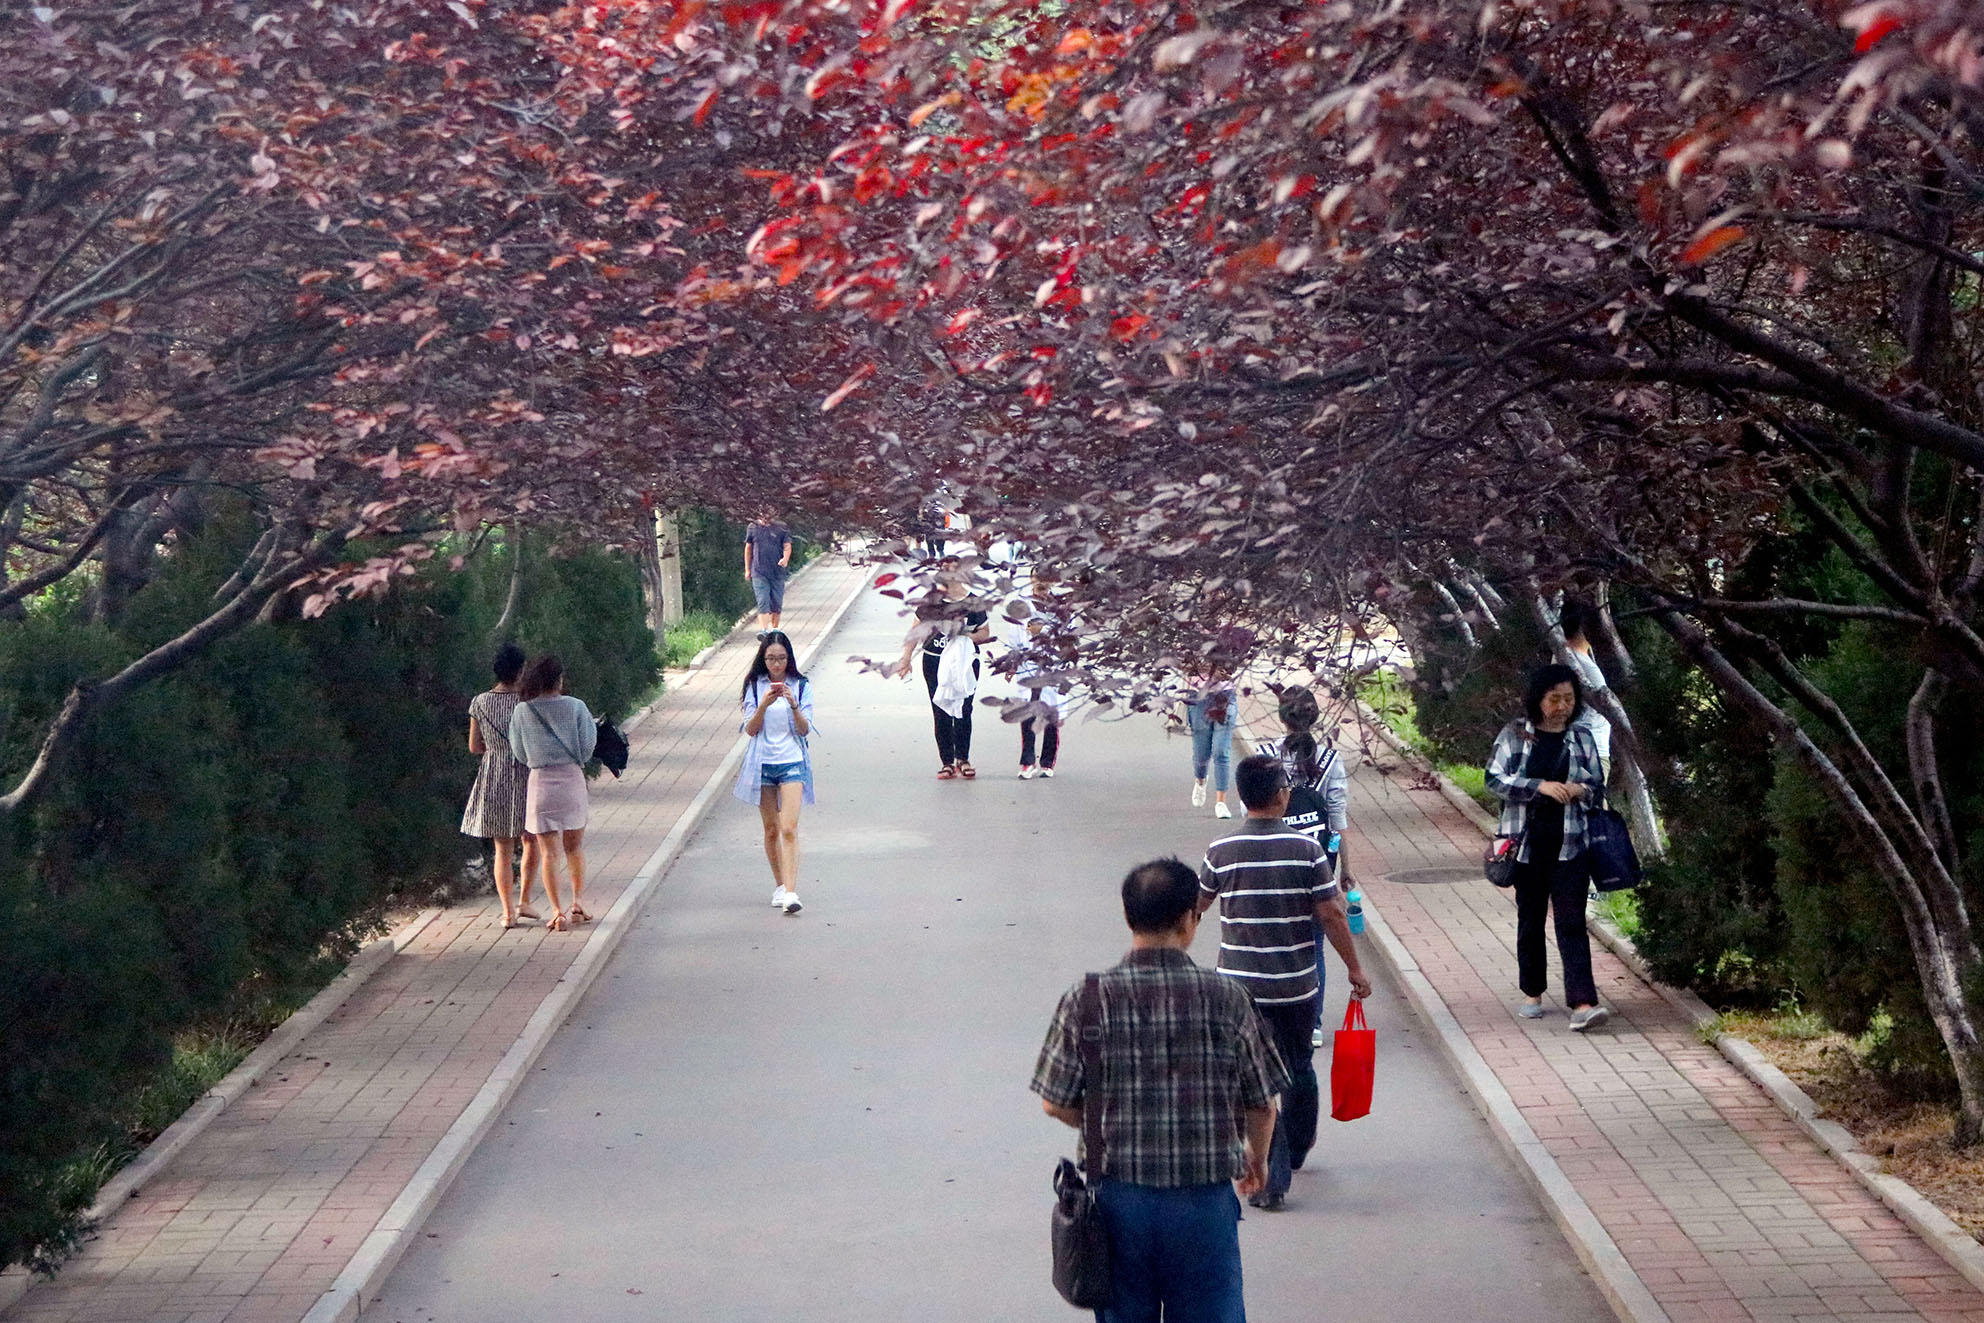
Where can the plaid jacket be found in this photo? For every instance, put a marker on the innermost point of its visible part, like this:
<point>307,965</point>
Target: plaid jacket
<point>1184,1055</point>
<point>1516,791</point>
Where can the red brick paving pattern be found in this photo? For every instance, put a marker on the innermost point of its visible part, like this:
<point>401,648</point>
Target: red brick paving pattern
<point>1720,1204</point>
<point>257,1217</point>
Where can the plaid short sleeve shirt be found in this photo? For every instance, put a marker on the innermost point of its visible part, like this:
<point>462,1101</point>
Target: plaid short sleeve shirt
<point>1184,1055</point>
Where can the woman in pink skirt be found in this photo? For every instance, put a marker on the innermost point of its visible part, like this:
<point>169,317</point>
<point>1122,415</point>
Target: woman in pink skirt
<point>554,736</point>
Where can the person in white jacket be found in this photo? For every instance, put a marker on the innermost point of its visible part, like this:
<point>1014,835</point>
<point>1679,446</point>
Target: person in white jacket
<point>945,621</point>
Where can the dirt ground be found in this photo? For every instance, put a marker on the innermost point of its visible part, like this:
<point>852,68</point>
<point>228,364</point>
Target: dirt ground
<point>1910,1137</point>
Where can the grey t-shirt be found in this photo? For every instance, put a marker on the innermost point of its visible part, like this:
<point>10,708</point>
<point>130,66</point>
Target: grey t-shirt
<point>768,543</point>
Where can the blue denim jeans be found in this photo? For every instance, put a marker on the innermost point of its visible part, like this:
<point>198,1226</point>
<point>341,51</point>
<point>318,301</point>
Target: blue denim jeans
<point>1175,1253</point>
<point>1212,745</point>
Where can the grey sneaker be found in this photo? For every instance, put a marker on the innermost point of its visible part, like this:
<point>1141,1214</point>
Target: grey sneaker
<point>1589,1018</point>
<point>1532,1010</point>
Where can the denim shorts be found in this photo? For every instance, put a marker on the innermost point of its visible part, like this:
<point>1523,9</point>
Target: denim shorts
<point>769,590</point>
<point>777,774</point>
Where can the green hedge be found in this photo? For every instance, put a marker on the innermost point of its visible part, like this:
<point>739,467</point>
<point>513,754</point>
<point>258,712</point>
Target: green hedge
<point>234,828</point>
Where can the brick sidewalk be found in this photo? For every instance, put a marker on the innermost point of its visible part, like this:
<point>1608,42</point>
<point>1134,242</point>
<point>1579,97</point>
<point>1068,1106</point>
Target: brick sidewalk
<point>1721,1205</point>
<point>257,1217</point>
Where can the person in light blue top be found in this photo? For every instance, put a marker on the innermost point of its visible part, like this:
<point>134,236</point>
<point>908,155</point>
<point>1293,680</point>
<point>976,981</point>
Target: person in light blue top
<point>553,735</point>
<point>777,774</point>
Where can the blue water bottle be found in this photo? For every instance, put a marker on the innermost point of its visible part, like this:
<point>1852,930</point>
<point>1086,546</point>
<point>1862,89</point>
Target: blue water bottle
<point>1356,902</point>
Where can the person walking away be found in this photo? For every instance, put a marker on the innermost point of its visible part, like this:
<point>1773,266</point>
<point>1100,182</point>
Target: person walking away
<point>1579,619</point>
<point>554,735</point>
<point>767,553</point>
<point>1545,770</point>
<point>777,774</point>
<point>943,624</point>
<point>1186,1101</point>
<point>495,811</point>
<point>1273,888</point>
<point>1047,703</point>
<point>1318,798</point>
<point>1209,715</point>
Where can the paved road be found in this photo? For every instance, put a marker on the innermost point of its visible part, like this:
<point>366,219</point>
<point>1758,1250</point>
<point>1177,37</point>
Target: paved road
<point>825,1118</point>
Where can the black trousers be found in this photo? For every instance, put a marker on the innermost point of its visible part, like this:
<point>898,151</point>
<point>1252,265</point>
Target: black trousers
<point>1295,1127</point>
<point>1050,742</point>
<point>1559,887</point>
<point>953,733</point>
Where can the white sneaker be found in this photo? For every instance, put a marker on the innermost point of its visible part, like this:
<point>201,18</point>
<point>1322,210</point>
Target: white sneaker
<point>1589,1018</point>
<point>1317,1039</point>
<point>792,905</point>
<point>778,898</point>
<point>1028,772</point>
<point>1220,810</point>
<point>1047,772</point>
<point>1198,794</point>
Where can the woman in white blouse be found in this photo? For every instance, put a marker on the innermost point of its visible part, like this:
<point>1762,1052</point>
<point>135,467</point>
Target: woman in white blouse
<point>777,774</point>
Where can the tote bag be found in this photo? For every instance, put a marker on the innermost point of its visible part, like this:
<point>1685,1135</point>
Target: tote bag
<point>1353,1065</point>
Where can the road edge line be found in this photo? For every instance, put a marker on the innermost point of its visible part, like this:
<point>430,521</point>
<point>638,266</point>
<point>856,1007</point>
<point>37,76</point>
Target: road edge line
<point>380,1252</point>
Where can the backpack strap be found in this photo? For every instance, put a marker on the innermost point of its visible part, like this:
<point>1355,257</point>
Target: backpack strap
<point>1094,1153</point>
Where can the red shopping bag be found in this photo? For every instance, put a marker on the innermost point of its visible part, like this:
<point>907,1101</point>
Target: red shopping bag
<point>1353,1065</point>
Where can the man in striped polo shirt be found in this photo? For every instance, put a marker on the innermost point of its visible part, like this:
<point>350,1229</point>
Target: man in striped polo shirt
<point>1273,884</point>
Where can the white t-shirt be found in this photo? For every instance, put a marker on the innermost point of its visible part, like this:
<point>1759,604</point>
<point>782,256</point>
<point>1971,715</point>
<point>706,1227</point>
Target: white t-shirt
<point>1591,718</point>
<point>780,743</point>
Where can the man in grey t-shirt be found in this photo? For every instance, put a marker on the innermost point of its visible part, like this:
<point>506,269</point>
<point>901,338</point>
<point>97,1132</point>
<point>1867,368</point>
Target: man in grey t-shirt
<point>767,552</point>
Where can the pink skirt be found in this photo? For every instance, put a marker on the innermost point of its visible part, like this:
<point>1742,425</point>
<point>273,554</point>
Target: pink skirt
<point>556,799</point>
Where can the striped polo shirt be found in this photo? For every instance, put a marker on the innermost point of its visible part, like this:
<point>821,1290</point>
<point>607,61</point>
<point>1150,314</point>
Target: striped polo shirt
<point>1267,877</point>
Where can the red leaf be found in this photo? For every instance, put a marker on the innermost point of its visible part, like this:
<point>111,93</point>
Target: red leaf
<point>1870,36</point>
<point>1711,243</point>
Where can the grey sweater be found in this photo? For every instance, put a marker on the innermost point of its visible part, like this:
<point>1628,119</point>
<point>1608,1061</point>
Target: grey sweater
<point>568,720</point>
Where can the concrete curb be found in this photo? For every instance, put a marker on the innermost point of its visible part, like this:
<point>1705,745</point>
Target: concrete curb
<point>1957,1247</point>
<point>282,1040</point>
<point>1623,1290</point>
<point>382,1250</point>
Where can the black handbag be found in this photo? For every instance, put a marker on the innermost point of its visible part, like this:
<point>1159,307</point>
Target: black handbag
<point>611,747</point>
<point>1498,861</point>
<point>1609,852</point>
<point>1080,1240</point>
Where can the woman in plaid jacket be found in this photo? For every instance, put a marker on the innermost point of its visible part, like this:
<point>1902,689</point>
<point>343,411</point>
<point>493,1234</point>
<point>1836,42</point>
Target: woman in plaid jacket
<point>1545,769</point>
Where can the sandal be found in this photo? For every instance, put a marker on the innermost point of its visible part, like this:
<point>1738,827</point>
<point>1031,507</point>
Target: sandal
<point>510,921</point>
<point>526,912</point>
<point>946,772</point>
<point>577,913</point>
<point>556,923</point>
<point>967,771</point>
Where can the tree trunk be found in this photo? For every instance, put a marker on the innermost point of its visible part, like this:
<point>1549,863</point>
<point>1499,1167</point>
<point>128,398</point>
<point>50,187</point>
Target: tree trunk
<point>1933,911</point>
<point>653,591</point>
<point>513,601</point>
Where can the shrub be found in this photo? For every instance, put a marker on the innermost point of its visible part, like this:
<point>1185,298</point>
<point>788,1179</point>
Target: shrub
<point>222,831</point>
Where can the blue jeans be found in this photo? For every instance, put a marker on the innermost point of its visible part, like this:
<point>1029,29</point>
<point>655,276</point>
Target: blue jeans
<point>769,590</point>
<point>1212,744</point>
<point>1175,1253</point>
<point>777,774</point>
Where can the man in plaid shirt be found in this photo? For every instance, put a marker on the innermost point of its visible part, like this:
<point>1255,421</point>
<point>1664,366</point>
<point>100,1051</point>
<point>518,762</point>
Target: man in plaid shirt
<point>1187,1088</point>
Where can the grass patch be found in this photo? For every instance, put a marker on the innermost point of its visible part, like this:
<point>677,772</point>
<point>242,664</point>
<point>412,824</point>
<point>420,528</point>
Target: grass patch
<point>1387,695</point>
<point>691,634</point>
<point>1622,910</point>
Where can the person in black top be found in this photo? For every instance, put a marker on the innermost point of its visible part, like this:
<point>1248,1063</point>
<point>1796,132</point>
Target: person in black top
<point>944,621</point>
<point>1545,769</point>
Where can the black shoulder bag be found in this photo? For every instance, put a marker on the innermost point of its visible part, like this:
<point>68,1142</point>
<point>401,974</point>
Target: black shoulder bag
<point>1081,1241</point>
